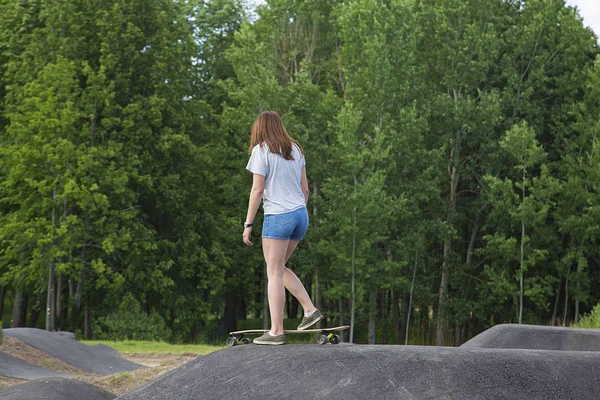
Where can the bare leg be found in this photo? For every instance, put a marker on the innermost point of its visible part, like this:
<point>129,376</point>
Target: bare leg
<point>293,284</point>
<point>275,251</point>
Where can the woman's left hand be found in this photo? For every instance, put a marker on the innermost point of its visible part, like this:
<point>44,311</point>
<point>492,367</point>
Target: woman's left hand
<point>246,236</point>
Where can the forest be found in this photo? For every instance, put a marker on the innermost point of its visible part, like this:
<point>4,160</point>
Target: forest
<point>452,156</point>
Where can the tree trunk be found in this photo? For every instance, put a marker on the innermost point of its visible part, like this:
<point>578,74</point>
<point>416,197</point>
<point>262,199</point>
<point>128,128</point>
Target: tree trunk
<point>522,255</point>
<point>79,292</point>
<point>576,316</point>
<point>353,284</point>
<point>59,314</point>
<point>77,302</point>
<point>372,315</point>
<point>308,285</point>
<point>230,313</point>
<point>383,304</point>
<point>258,293</point>
<point>444,281</point>
<point>19,310</point>
<point>80,283</point>
<point>341,316</point>
<point>318,300</point>
<point>471,245</point>
<point>425,320</point>
<point>51,299</point>
<point>87,316</point>
<point>458,339</point>
<point>566,297</point>
<point>2,296</point>
<point>405,316</point>
<point>556,300</point>
<point>241,307</point>
<point>522,273</point>
<point>294,304</point>
<point>35,311</point>
<point>409,307</point>
<point>395,315</point>
<point>288,304</point>
<point>71,302</point>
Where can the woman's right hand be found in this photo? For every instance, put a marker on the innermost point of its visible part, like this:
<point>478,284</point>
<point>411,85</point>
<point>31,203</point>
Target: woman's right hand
<point>246,236</point>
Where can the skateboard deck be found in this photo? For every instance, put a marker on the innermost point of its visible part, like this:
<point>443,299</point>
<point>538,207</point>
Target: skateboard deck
<point>326,335</point>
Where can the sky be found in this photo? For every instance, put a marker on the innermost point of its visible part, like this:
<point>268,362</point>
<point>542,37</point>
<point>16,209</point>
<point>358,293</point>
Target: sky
<point>590,12</point>
<point>588,9</point>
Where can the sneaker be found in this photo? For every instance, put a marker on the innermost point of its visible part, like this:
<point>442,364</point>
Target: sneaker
<point>310,321</point>
<point>272,340</point>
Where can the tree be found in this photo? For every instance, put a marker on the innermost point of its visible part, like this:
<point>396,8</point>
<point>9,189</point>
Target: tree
<point>529,208</point>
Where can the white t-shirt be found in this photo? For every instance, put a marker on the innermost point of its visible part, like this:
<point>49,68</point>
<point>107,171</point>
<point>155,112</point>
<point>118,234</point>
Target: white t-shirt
<point>283,191</point>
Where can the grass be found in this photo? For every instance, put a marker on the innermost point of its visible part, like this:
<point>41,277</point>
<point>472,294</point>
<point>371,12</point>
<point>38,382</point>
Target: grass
<point>122,377</point>
<point>141,347</point>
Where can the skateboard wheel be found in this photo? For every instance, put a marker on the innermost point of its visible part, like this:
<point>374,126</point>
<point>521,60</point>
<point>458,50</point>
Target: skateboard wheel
<point>246,340</point>
<point>336,339</point>
<point>231,341</point>
<point>322,339</point>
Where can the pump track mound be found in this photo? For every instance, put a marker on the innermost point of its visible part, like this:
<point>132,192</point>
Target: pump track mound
<point>98,359</point>
<point>54,389</point>
<point>504,362</point>
<point>511,336</point>
<point>379,372</point>
<point>14,367</point>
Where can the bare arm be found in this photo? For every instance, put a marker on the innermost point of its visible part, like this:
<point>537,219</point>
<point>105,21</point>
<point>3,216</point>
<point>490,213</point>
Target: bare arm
<point>304,185</point>
<point>256,194</point>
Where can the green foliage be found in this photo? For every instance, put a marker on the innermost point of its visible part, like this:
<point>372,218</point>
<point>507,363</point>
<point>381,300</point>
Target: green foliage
<point>454,139</point>
<point>130,322</point>
<point>591,320</point>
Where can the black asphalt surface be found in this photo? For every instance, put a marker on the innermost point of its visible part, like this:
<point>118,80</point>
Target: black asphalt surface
<point>16,368</point>
<point>55,389</point>
<point>69,335</point>
<point>512,336</point>
<point>369,372</point>
<point>93,359</point>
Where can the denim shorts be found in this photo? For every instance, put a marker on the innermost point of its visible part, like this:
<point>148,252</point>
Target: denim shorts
<point>287,226</point>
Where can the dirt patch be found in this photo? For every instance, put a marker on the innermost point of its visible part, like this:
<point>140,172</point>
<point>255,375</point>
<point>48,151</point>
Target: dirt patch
<point>6,381</point>
<point>159,360</point>
<point>118,384</point>
<point>124,382</point>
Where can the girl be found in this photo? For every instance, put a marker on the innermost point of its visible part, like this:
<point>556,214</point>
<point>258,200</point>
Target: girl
<point>279,179</point>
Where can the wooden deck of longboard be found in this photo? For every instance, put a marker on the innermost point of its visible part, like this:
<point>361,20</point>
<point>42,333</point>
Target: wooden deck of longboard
<point>337,328</point>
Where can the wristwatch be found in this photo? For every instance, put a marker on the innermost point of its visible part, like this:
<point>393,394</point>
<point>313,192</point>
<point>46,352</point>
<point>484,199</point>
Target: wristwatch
<point>247,225</point>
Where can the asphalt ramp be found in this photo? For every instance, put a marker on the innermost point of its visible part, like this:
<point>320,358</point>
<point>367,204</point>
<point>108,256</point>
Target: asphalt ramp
<point>370,372</point>
<point>14,367</point>
<point>513,336</point>
<point>101,359</point>
<point>54,389</point>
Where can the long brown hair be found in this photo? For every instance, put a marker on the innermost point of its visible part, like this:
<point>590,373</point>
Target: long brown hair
<point>269,129</point>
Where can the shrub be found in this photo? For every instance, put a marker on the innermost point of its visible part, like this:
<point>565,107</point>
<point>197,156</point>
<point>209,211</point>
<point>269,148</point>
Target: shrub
<point>591,320</point>
<point>130,322</point>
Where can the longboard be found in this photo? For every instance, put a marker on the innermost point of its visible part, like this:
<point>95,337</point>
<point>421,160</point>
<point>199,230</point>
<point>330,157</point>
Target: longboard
<point>326,335</point>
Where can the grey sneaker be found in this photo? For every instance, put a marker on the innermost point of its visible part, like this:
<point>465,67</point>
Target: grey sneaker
<point>272,340</point>
<point>310,321</point>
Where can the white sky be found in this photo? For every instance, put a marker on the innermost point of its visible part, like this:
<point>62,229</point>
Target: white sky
<point>588,9</point>
<point>590,12</point>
